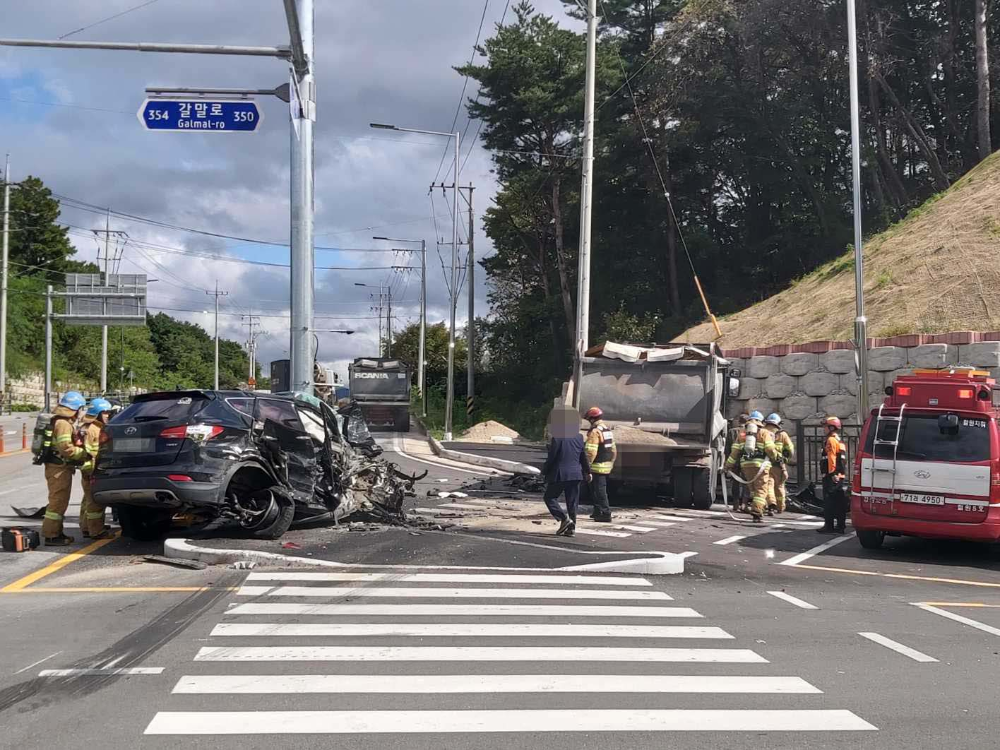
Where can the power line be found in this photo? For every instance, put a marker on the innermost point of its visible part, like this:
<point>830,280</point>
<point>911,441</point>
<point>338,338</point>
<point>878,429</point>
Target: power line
<point>109,18</point>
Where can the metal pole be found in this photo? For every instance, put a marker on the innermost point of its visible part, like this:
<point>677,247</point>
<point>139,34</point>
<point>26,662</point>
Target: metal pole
<point>216,381</point>
<point>104,329</point>
<point>449,406</point>
<point>302,204</point>
<point>421,362</point>
<point>283,53</point>
<point>48,347</point>
<point>3,278</point>
<point>587,187</point>
<point>470,396</point>
<point>388,322</point>
<point>860,322</point>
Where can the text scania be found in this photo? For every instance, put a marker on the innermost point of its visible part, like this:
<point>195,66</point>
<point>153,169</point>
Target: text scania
<point>372,375</point>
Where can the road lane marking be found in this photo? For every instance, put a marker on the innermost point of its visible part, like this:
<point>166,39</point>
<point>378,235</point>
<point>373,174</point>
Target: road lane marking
<point>639,529</point>
<point>19,489</point>
<point>729,540</point>
<point>397,447</point>
<point>609,580</point>
<point>900,576</point>
<point>568,655</point>
<point>898,647</point>
<point>35,664</point>
<point>115,671</point>
<point>793,561</point>
<point>658,523</point>
<point>980,605</point>
<point>959,618</point>
<point>22,583</point>
<point>441,593</point>
<point>600,532</point>
<point>464,630</point>
<point>686,554</point>
<point>792,600</point>
<point>460,610</point>
<point>253,590</point>
<point>461,506</point>
<point>323,684</point>
<point>118,589</point>
<point>682,519</point>
<point>503,721</point>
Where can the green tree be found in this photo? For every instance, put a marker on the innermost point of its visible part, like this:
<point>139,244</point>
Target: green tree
<point>406,348</point>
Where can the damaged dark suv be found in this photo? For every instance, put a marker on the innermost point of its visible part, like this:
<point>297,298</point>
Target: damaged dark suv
<point>265,461</point>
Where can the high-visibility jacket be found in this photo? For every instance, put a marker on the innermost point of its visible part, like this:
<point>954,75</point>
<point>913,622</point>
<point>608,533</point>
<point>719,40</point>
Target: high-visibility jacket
<point>764,452</point>
<point>91,442</point>
<point>784,446</point>
<point>601,449</point>
<point>59,447</point>
<point>835,456</point>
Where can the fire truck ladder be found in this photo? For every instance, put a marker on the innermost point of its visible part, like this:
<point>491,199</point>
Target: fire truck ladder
<point>894,443</point>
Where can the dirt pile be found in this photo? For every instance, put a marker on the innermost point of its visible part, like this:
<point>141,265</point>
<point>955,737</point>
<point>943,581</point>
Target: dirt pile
<point>484,432</point>
<point>635,436</point>
<point>937,270</point>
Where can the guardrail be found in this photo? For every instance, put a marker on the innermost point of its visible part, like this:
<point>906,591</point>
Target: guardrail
<point>809,441</point>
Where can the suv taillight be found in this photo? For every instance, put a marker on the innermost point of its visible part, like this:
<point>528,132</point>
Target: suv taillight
<point>197,432</point>
<point>104,438</point>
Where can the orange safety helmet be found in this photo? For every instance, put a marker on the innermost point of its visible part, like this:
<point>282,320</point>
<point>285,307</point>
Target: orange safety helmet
<point>832,422</point>
<point>594,412</point>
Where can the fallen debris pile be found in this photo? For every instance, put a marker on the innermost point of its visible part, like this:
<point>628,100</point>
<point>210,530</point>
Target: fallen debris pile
<point>489,432</point>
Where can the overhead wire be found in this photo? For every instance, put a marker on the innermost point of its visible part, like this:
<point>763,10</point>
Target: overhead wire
<point>109,18</point>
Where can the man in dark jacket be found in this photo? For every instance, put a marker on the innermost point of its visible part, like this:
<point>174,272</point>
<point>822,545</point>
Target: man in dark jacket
<point>566,467</point>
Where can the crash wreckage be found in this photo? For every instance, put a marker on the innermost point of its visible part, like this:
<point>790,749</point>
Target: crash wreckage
<point>267,462</point>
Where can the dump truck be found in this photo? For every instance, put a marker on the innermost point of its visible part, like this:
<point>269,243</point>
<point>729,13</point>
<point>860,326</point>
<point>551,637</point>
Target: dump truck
<point>665,404</point>
<point>382,388</point>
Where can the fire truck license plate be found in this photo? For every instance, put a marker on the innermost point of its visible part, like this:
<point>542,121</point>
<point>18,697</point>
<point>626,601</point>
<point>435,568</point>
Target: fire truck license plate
<point>923,499</point>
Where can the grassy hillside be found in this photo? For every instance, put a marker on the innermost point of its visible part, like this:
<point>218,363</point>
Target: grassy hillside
<point>937,270</point>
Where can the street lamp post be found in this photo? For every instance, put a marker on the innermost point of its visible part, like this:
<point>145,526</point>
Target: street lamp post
<point>421,363</point>
<point>450,398</point>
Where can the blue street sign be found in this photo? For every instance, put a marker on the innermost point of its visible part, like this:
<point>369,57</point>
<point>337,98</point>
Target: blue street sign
<point>198,115</point>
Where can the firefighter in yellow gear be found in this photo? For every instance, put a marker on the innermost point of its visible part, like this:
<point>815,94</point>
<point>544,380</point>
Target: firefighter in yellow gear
<point>61,456</point>
<point>753,451</point>
<point>785,449</point>
<point>91,513</point>
<point>601,454</point>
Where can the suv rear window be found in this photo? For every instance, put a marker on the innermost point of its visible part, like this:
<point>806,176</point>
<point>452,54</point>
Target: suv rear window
<point>173,407</point>
<point>922,439</point>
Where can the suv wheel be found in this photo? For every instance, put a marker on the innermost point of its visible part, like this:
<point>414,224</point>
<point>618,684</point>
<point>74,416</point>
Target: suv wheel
<point>267,514</point>
<point>870,539</point>
<point>144,524</point>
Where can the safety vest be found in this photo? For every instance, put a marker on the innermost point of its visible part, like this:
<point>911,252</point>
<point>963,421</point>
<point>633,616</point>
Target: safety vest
<point>834,459</point>
<point>600,449</point>
<point>756,452</point>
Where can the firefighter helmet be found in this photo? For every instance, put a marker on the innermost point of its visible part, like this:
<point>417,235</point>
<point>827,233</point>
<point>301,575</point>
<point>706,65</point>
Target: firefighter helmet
<point>72,400</point>
<point>594,412</point>
<point>774,419</point>
<point>833,422</point>
<point>98,406</point>
<point>756,416</point>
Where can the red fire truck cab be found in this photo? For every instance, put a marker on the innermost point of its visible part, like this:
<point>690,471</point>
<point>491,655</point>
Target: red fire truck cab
<point>928,462</point>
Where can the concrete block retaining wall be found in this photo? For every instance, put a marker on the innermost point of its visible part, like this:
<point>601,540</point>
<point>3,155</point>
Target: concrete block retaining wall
<point>806,382</point>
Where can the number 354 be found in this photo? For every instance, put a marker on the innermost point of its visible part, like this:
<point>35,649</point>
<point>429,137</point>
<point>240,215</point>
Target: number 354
<point>157,114</point>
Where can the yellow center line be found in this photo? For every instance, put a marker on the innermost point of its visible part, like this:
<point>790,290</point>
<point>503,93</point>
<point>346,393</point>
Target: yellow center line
<point>900,576</point>
<point>59,564</point>
<point>18,452</point>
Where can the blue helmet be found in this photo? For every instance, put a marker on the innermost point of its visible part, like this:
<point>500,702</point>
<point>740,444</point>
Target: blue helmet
<point>72,400</point>
<point>98,406</point>
<point>757,416</point>
<point>774,419</point>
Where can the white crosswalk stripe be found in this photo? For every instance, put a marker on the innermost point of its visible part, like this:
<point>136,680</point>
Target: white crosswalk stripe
<point>599,654</point>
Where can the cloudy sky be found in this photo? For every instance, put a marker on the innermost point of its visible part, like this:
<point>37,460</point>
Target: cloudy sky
<point>68,116</point>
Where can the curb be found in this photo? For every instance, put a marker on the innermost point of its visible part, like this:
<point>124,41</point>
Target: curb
<point>486,461</point>
<point>181,549</point>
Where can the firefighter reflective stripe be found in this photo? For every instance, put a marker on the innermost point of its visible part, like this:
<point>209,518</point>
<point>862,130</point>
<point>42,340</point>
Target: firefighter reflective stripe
<point>52,516</point>
<point>836,455</point>
<point>784,445</point>
<point>94,515</point>
<point>764,452</point>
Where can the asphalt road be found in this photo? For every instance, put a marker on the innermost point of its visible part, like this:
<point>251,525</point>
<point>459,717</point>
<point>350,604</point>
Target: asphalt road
<point>767,640</point>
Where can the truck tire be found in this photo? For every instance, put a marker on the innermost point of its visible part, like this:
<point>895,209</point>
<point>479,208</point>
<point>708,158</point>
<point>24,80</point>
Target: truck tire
<point>870,539</point>
<point>701,489</point>
<point>402,420</point>
<point>683,481</point>
<point>144,524</point>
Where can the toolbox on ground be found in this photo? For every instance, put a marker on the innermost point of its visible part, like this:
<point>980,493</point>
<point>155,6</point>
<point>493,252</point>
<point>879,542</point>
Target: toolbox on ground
<point>18,539</point>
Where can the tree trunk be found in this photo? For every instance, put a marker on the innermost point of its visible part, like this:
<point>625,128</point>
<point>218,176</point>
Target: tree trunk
<point>941,180</point>
<point>561,264</point>
<point>982,81</point>
<point>895,185</point>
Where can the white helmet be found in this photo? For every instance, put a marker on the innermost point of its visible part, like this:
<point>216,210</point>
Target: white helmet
<point>774,419</point>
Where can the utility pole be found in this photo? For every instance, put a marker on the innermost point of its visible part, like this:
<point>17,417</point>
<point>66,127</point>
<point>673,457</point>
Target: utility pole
<point>120,238</point>
<point>421,355</point>
<point>217,294</point>
<point>48,347</point>
<point>3,280</point>
<point>388,320</point>
<point>300,16</point>
<point>470,356</point>
<point>860,321</point>
<point>253,322</point>
<point>586,200</point>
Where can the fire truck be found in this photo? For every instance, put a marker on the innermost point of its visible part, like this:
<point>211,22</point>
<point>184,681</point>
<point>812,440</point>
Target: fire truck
<point>929,460</point>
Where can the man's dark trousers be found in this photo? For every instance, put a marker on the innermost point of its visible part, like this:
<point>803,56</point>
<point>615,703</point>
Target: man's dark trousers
<point>599,494</point>
<point>571,489</point>
<point>835,503</point>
